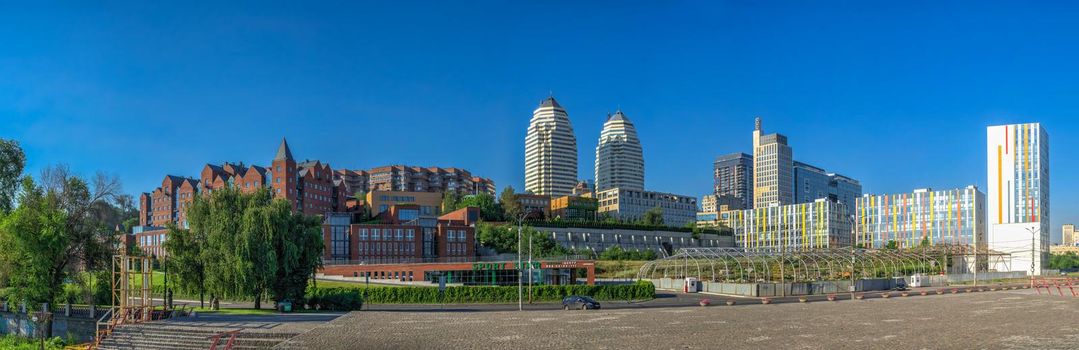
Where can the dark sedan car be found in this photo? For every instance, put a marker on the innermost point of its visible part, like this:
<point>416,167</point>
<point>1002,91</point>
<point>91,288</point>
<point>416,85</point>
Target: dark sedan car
<point>579,303</point>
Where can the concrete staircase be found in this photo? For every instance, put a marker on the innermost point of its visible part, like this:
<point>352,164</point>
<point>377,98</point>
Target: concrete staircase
<point>160,336</point>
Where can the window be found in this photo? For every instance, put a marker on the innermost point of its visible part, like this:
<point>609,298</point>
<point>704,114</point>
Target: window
<point>363,234</point>
<point>375,234</point>
<point>400,234</point>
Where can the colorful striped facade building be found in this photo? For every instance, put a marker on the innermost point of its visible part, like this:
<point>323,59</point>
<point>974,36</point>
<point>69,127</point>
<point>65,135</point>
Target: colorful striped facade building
<point>954,216</point>
<point>1018,211</point>
<point>806,226</point>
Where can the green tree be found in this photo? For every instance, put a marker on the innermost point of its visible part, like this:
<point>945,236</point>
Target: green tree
<point>299,253</point>
<point>58,229</point>
<point>511,209</point>
<point>185,261</point>
<point>653,217</point>
<point>1064,261</point>
<point>253,246</point>
<point>450,200</point>
<point>12,161</point>
<point>489,209</point>
<point>503,239</point>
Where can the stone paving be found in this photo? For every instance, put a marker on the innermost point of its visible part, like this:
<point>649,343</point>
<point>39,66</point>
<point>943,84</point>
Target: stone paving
<point>1013,319</point>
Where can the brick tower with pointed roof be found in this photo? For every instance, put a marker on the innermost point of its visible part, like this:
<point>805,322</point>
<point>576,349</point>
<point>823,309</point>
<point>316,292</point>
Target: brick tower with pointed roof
<point>283,169</point>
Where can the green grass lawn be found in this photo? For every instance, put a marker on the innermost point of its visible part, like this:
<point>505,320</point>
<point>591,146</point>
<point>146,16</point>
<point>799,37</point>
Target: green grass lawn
<point>618,269</point>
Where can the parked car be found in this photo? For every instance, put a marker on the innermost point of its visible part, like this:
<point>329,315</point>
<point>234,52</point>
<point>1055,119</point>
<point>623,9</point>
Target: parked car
<point>579,303</point>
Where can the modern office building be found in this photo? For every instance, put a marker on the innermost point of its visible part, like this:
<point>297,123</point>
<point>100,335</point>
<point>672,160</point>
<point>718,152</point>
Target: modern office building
<point>804,226</point>
<point>1018,173</point>
<point>955,216</point>
<point>550,151</point>
<point>574,208</point>
<point>812,183</point>
<point>773,164</point>
<point>733,176</point>
<point>619,157</point>
<point>630,205</point>
<point>1069,235</point>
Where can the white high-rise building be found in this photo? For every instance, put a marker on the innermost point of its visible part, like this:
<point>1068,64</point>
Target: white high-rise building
<point>619,158</point>
<point>773,169</point>
<point>1018,173</point>
<point>550,151</point>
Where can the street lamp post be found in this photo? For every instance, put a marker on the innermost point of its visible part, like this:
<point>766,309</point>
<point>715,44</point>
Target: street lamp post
<point>530,272</point>
<point>1033,233</point>
<point>520,276</point>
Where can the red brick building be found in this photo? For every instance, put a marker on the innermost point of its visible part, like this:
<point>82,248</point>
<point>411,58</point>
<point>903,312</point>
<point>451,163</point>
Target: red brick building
<point>309,186</point>
<point>402,235</point>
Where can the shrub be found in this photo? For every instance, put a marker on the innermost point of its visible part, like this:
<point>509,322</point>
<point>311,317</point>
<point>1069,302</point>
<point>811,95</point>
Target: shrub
<point>488,294</point>
<point>334,299</point>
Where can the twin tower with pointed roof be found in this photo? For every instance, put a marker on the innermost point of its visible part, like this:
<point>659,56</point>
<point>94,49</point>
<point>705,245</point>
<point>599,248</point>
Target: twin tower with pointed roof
<point>551,153</point>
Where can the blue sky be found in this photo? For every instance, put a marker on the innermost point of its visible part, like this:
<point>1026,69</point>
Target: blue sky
<point>895,94</point>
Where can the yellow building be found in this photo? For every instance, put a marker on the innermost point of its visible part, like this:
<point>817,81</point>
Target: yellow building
<point>380,201</point>
<point>574,208</point>
<point>1063,249</point>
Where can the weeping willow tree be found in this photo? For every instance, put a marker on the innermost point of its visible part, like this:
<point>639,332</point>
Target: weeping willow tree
<point>253,246</point>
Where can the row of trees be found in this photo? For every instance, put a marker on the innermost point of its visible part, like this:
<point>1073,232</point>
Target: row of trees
<point>244,246</point>
<point>1064,261</point>
<point>507,208</point>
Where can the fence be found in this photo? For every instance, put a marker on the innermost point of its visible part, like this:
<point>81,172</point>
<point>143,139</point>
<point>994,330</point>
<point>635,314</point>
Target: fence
<point>75,321</point>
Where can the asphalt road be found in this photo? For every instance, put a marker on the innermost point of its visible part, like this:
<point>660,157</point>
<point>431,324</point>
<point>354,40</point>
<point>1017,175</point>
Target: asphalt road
<point>1012,319</point>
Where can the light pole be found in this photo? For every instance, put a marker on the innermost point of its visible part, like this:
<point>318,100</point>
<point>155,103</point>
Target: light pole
<point>1033,233</point>
<point>520,276</point>
<point>530,272</point>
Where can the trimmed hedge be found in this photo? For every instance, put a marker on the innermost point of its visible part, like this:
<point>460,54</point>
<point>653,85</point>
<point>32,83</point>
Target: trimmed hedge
<point>625,226</point>
<point>334,299</point>
<point>496,294</point>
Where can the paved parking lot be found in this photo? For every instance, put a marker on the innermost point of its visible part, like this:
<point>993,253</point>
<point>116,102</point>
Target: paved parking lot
<point>1010,319</point>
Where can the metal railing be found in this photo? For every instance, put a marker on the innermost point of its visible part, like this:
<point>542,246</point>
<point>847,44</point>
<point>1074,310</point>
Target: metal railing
<point>448,260</point>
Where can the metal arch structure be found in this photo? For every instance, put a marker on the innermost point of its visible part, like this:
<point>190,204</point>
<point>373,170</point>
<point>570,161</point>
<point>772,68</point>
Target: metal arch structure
<point>777,265</point>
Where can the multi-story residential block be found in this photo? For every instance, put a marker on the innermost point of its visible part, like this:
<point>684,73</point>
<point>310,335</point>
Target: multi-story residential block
<point>574,208</point>
<point>619,157</point>
<point>550,151</point>
<point>407,178</point>
<point>1069,235</point>
<point>924,216</point>
<point>404,234</point>
<point>355,181</point>
<point>1018,173</point>
<point>733,175</point>
<point>812,183</point>
<point>168,203</point>
<point>773,164</point>
<point>804,226</point>
<point>630,205</point>
<point>431,179</point>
